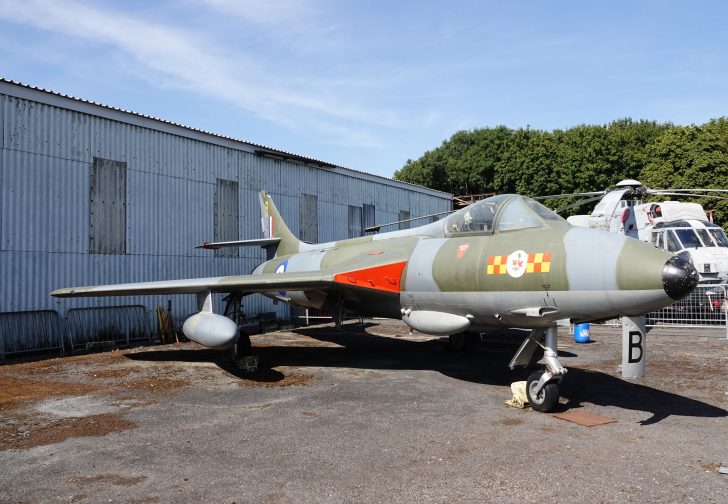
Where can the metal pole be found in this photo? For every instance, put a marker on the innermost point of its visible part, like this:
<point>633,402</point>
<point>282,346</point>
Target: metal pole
<point>634,346</point>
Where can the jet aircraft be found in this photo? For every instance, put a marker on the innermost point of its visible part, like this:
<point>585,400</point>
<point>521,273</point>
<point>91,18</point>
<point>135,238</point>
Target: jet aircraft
<point>505,261</point>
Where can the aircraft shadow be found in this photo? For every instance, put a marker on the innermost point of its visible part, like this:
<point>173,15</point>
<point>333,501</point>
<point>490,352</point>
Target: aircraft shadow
<point>357,349</point>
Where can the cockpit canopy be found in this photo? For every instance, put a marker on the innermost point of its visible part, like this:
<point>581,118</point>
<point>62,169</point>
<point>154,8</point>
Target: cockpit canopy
<point>504,212</point>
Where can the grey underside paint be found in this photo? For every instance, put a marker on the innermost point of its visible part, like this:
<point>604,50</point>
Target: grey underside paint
<point>580,266</point>
<point>308,261</point>
<point>486,307</point>
<point>419,268</point>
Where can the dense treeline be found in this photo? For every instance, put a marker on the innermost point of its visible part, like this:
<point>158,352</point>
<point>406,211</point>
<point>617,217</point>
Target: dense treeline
<point>582,158</point>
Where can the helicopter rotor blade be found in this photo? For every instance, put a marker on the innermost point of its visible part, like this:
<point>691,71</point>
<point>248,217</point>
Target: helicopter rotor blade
<point>578,203</point>
<point>582,194</point>
<point>654,191</point>
<point>693,195</point>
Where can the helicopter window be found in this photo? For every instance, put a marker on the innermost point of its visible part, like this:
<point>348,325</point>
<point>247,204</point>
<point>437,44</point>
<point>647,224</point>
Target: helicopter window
<point>673,245</point>
<point>544,212</point>
<point>516,215</point>
<point>688,238</point>
<point>720,237</point>
<point>705,237</point>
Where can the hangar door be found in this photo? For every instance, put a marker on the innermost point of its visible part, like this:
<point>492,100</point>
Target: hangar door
<point>355,229</point>
<point>369,215</point>
<point>107,207</point>
<point>308,218</point>
<point>227,216</point>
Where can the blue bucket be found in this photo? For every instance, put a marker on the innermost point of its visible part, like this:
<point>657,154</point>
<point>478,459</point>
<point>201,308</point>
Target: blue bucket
<point>581,333</point>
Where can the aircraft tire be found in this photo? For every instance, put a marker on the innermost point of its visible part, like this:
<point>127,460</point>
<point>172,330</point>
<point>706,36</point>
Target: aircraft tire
<point>470,346</point>
<point>456,342</point>
<point>239,351</point>
<point>547,399</point>
<point>465,342</point>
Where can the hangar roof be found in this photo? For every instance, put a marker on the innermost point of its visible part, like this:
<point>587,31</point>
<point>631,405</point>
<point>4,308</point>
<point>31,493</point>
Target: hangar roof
<point>53,98</point>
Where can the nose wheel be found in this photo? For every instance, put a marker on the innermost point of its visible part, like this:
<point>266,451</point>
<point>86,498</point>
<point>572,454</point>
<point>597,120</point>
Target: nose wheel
<point>546,397</point>
<point>542,387</point>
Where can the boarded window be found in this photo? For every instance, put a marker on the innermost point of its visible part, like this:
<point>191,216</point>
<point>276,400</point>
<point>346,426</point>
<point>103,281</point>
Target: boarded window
<point>107,207</point>
<point>355,229</point>
<point>369,216</point>
<point>308,228</point>
<point>404,215</point>
<point>227,217</point>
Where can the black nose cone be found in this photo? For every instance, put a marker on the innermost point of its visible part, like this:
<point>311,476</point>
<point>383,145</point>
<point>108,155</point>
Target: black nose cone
<point>679,277</point>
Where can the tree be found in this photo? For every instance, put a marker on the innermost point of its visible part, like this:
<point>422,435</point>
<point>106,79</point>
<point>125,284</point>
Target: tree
<point>579,159</point>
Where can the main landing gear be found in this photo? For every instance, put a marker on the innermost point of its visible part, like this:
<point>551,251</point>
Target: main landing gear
<point>241,354</point>
<point>464,342</point>
<point>542,387</point>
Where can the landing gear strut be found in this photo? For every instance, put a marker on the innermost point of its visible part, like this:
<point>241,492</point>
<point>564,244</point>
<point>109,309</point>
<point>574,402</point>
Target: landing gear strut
<point>241,353</point>
<point>542,387</point>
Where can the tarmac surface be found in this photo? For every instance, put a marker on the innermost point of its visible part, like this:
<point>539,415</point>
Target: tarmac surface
<point>370,414</point>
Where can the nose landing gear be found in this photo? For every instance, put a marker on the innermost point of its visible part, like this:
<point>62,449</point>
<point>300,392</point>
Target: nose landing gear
<point>542,387</point>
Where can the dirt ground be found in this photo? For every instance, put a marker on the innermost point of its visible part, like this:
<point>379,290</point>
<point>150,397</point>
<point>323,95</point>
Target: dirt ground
<point>372,413</point>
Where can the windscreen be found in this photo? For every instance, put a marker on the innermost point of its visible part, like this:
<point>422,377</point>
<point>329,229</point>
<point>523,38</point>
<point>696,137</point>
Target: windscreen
<point>544,212</point>
<point>720,237</point>
<point>673,245</point>
<point>705,237</point>
<point>517,215</point>
<point>688,238</point>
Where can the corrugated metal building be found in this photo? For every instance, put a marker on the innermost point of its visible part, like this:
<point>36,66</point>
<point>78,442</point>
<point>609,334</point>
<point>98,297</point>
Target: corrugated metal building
<point>90,194</point>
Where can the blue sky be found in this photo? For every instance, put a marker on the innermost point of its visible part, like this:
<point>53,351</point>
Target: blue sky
<point>369,85</point>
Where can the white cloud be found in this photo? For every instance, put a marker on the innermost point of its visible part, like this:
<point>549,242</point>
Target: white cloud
<point>294,15</point>
<point>171,55</point>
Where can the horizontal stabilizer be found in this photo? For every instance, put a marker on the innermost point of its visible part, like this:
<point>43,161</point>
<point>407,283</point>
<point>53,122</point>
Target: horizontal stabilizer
<point>262,242</point>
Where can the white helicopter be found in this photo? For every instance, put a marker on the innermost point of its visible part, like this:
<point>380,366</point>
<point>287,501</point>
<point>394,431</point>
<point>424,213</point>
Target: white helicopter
<point>679,227</point>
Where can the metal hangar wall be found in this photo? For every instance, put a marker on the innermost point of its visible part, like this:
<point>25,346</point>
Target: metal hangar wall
<point>91,194</point>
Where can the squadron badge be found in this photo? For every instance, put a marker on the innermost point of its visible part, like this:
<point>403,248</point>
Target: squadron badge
<point>518,263</point>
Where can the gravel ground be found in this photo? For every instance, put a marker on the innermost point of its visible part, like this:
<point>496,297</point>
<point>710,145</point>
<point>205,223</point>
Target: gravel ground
<point>370,414</point>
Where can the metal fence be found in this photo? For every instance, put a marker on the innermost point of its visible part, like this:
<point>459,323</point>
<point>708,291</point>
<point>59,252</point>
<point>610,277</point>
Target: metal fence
<point>116,325</point>
<point>31,332</point>
<point>706,306</point>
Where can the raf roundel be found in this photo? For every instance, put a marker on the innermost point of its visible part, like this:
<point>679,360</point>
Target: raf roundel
<point>516,264</point>
<point>282,267</point>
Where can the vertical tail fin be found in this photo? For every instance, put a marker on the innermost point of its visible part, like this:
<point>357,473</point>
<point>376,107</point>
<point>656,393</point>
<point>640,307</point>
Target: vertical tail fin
<point>274,227</point>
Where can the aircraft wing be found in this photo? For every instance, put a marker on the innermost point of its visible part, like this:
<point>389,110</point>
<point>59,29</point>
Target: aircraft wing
<point>241,283</point>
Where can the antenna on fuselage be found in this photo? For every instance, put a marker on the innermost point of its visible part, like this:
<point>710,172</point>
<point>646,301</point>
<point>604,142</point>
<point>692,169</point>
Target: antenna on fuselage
<point>377,227</point>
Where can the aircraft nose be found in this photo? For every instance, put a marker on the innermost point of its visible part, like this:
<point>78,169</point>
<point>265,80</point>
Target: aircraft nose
<point>679,277</point>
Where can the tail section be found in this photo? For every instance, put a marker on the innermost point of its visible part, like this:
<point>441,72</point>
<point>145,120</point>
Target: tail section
<point>274,227</point>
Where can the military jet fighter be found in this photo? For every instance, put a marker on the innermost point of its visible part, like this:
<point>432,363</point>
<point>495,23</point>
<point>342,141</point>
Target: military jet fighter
<point>505,261</point>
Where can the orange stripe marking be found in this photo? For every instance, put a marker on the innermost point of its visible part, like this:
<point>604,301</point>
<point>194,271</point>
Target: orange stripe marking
<point>385,278</point>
